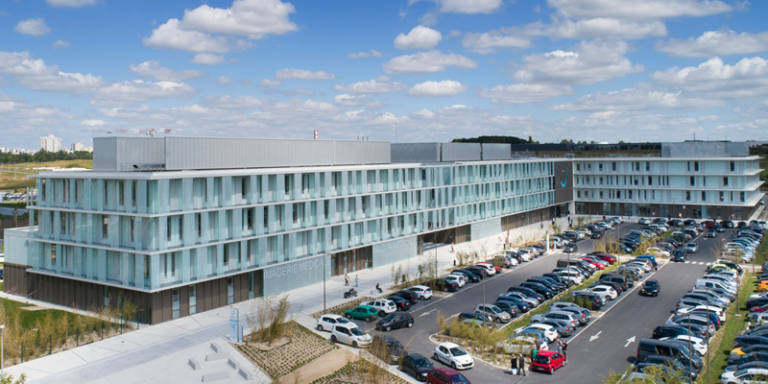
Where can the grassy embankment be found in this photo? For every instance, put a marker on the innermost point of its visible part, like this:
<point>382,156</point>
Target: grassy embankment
<point>26,169</point>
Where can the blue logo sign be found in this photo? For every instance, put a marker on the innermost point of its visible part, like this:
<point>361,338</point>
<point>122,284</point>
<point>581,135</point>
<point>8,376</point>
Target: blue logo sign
<point>564,177</point>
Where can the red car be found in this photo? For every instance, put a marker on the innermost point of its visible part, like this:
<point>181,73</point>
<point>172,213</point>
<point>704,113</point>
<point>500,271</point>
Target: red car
<point>597,265</point>
<point>761,308</point>
<point>497,268</point>
<point>446,376</point>
<point>547,361</point>
<point>602,256</point>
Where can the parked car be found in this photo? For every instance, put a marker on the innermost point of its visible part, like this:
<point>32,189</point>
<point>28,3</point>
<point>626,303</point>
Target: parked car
<point>362,312</point>
<point>453,355</point>
<point>388,349</point>
<point>446,376</point>
<point>474,318</point>
<point>571,248</point>
<point>493,312</point>
<point>383,306</point>
<point>408,295</point>
<point>350,334</point>
<point>548,361</point>
<point>550,333</point>
<point>395,321</point>
<point>421,291</point>
<point>442,284</point>
<point>400,303</point>
<point>326,322</point>
<point>417,366</point>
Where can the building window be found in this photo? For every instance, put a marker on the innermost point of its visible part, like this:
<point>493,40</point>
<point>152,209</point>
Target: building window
<point>230,290</point>
<point>104,227</point>
<point>618,194</point>
<point>722,196</point>
<point>199,219</point>
<point>704,181</point>
<point>589,167</point>
<point>578,168</point>
<point>703,196</point>
<point>53,255</point>
<point>121,193</point>
<point>601,180</point>
<point>106,296</point>
<point>133,226</point>
<point>733,166</point>
<point>133,193</point>
<point>613,166</point>
<point>601,194</point>
<point>192,299</point>
<point>226,254</point>
<point>637,166</point>
<point>244,189</point>
<point>725,181</point>
<point>741,196</point>
<point>695,166</point>
<point>578,194</point>
<point>168,227</point>
<point>687,195</point>
<point>176,300</point>
<point>693,181</point>
<point>629,194</point>
<point>647,165</point>
<point>600,167</point>
<point>650,180</point>
<point>689,166</point>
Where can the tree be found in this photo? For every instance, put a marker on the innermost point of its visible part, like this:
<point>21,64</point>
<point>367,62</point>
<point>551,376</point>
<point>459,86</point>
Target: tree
<point>530,140</point>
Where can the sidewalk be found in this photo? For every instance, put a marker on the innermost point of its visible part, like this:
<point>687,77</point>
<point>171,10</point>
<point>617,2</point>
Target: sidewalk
<point>167,346</point>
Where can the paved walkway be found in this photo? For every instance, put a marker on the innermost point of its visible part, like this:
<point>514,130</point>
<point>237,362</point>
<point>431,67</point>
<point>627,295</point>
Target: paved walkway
<point>136,356</point>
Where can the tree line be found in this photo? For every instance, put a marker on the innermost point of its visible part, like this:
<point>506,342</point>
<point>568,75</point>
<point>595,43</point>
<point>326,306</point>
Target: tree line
<point>43,156</point>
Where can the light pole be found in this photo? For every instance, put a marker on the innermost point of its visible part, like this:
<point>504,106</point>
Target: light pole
<point>2,352</point>
<point>324,283</point>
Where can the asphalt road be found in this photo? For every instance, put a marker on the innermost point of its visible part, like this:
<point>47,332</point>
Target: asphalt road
<point>629,316</point>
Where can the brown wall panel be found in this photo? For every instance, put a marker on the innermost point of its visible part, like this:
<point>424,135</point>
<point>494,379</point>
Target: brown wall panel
<point>184,301</point>
<point>167,305</point>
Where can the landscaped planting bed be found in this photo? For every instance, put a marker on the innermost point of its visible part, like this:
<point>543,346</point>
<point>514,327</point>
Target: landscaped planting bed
<point>360,372</point>
<point>341,308</point>
<point>297,348</point>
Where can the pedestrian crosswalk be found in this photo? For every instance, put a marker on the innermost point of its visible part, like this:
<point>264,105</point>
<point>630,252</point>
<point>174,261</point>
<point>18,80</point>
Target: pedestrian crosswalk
<point>698,262</point>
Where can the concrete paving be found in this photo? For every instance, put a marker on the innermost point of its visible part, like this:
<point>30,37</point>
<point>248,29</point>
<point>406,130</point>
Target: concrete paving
<point>135,353</point>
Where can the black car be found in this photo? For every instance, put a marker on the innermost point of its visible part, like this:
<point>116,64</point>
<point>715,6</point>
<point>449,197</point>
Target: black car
<point>468,276</point>
<point>757,302</point>
<point>671,331</point>
<point>679,255</point>
<point>528,292</point>
<point>651,288</point>
<point>747,358</point>
<point>597,234</point>
<point>408,295</point>
<point>727,223</point>
<point>710,233</point>
<point>388,349</point>
<point>395,321</point>
<point>591,300</point>
<point>547,282</point>
<point>539,288</point>
<point>555,277</point>
<point>521,305</point>
<point>745,341</point>
<point>564,329</point>
<point>417,366</point>
<point>444,285</point>
<point>482,272</point>
<point>401,303</point>
<point>508,307</point>
<point>668,362</point>
<point>742,224</point>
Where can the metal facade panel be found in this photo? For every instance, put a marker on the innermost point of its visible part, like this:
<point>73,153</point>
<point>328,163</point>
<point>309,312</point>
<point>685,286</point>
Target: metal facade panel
<point>461,152</point>
<point>105,153</point>
<point>415,152</point>
<point>497,151</point>
<point>297,274</point>
<point>705,149</point>
<point>139,151</point>
<point>393,251</point>
<point>362,152</point>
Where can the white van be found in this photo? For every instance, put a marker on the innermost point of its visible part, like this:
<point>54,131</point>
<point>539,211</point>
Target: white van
<point>708,283</point>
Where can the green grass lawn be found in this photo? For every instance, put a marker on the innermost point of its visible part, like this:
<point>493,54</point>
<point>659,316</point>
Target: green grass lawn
<point>733,326</point>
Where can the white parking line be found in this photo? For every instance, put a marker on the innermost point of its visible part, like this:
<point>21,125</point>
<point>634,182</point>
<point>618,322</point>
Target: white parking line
<point>687,262</point>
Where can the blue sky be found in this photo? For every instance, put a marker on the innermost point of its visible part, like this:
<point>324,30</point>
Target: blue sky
<point>603,70</point>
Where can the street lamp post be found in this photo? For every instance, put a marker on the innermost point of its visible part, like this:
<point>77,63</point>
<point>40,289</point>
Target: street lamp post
<point>324,261</point>
<point>2,352</point>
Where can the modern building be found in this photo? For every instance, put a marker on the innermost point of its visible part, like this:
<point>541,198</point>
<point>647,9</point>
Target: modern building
<point>180,225</point>
<point>79,147</point>
<point>717,180</point>
<point>50,143</point>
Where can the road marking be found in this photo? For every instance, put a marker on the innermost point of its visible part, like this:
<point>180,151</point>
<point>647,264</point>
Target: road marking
<point>427,313</point>
<point>709,263</point>
<point>629,341</point>
<point>596,336</point>
<point>687,262</point>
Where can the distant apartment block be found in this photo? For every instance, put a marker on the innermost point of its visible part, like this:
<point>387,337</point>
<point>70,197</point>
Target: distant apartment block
<point>50,143</point>
<point>79,147</point>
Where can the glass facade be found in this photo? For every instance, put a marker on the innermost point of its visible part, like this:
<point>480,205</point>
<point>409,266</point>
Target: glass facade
<point>153,231</point>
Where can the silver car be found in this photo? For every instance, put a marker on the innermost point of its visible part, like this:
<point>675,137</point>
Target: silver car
<point>493,312</point>
<point>691,247</point>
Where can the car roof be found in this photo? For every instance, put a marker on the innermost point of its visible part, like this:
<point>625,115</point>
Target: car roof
<point>447,371</point>
<point>331,316</point>
<point>368,307</point>
<point>348,325</point>
<point>448,344</point>
<point>420,287</point>
<point>546,353</point>
<point>416,356</point>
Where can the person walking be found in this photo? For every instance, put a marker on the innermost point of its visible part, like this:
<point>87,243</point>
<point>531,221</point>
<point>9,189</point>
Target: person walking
<point>520,364</point>
<point>513,364</point>
<point>346,280</point>
<point>565,350</point>
<point>379,288</point>
<point>356,281</point>
<point>559,348</point>
<point>452,248</point>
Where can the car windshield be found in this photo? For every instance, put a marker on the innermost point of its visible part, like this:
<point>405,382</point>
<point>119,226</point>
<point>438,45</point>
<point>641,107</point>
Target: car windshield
<point>356,331</point>
<point>421,363</point>
<point>541,359</point>
<point>458,351</point>
<point>342,320</point>
<point>390,318</point>
<point>495,309</point>
<point>458,379</point>
<point>651,284</point>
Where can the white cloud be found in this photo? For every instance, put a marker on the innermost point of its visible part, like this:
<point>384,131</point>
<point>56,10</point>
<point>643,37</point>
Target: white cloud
<point>208,59</point>
<point>638,10</point>
<point>371,86</point>
<point>171,36</point>
<point>716,43</point>
<point>60,44</point>
<point>154,70</point>
<point>599,27</point>
<point>453,33</point>
<point>427,62</point>
<point>346,100</point>
<point>437,89</point>
<point>360,55</point>
<point>39,77</point>
<point>270,83</point>
<point>92,123</point>
<point>132,92</point>
<point>709,118</point>
<point>420,37</point>
<point>291,92</point>
<point>301,74</point>
<point>592,62</point>
<point>487,42</point>
<point>468,6</point>
<point>34,27</point>
<point>747,79</point>
<point>71,3</point>
<point>239,102</point>
<point>254,19</point>
<point>225,80</point>
<point>640,98</point>
<point>524,93</point>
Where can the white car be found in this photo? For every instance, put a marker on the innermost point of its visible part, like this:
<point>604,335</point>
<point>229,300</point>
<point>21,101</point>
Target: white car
<point>326,322</point>
<point>758,295</point>
<point>604,291</point>
<point>488,267</point>
<point>744,376</point>
<point>549,331</point>
<point>456,279</point>
<point>525,254</point>
<point>453,355</point>
<point>697,343</point>
<point>644,221</point>
<point>758,318</point>
<point>383,306</point>
<point>350,334</point>
<point>658,252</point>
<point>422,291</point>
<point>716,310</point>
